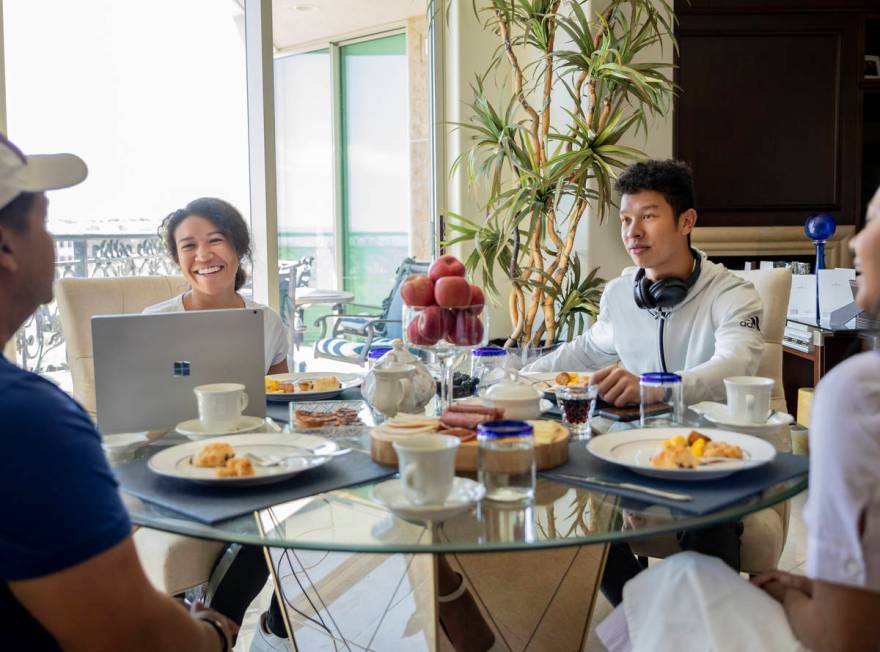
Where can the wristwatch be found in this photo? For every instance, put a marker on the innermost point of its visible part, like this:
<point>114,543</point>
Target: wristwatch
<point>218,627</point>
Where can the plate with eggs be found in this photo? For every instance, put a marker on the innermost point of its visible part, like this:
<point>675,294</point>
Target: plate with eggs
<point>681,453</point>
<point>228,461</point>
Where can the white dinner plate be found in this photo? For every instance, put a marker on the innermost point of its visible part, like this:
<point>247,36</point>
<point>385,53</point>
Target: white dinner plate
<point>464,495</point>
<point>347,381</point>
<point>175,462</point>
<point>718,414</point>
<point>634,449</point>
<point>193,428</point>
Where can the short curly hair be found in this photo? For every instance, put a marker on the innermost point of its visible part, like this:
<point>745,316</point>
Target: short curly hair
<point>672,179</point>
<point>222,215</point>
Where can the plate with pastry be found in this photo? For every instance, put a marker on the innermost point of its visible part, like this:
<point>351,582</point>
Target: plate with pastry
<point>309,386</point>
<point>682,453</point>
<point>241,460</point>
<point>549,381</point>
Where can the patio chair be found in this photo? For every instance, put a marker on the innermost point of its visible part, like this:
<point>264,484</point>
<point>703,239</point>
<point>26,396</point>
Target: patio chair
<point>764,532</point>
<point>348,338</point>
<point>173,563</point>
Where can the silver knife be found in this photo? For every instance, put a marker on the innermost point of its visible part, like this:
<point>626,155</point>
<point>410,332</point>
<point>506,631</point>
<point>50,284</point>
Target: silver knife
<point>671,495</point>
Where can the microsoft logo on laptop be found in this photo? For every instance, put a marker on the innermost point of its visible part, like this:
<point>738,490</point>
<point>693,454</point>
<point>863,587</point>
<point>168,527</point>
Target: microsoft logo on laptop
<point>181,368</point>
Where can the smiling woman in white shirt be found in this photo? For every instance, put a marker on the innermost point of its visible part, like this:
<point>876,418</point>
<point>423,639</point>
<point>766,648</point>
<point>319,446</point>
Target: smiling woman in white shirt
<point>209,241</point>
<point>693,602</point>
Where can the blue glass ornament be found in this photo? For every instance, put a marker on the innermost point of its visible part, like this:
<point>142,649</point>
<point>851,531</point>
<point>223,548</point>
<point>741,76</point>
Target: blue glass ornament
<point>819,228</point>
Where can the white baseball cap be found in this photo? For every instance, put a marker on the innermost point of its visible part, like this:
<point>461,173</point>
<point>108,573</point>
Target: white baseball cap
<point>20,173</point>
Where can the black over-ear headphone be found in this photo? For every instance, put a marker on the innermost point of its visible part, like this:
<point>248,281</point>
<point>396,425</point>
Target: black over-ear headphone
<point>665,293</point>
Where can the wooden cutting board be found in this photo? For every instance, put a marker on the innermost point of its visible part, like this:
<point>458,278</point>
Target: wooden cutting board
<point>551,446</point>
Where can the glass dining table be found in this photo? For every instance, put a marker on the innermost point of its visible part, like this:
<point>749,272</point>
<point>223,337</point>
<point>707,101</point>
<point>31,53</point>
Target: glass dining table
<point>535,577</point>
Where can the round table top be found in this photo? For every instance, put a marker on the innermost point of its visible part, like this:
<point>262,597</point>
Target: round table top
<point>349,520</point>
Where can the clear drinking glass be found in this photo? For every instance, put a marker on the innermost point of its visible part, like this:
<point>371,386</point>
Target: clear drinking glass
<point>487,365</point>
<point>657,389</point>
<point>506,452</point>
<point>577,403</point>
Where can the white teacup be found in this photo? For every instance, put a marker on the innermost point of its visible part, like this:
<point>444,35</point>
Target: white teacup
<point>221,405</point>
<point>748,398</point>
<point>427,467</point>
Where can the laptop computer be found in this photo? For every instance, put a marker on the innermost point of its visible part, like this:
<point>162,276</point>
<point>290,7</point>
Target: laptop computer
<point>146,366</point>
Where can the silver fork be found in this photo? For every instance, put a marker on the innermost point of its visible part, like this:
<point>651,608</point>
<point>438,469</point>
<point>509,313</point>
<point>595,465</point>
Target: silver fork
<point>277,460</point>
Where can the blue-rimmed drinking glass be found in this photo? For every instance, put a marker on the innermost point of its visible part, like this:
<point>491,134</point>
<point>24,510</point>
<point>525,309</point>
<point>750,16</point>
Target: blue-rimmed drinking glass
<point>507,460</point>
<point>655,390</point>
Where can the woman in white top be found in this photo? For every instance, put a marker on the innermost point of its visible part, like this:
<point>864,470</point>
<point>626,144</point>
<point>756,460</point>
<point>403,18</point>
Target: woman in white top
<point>692,602</point>
<point>209,240</point>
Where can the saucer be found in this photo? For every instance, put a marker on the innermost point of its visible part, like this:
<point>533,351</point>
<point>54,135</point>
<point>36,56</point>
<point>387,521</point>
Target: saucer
<point>718,414</point>
<point>464,495</point>
<point>194,429</point>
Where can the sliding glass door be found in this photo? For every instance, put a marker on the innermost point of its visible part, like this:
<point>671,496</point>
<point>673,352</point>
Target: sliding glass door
<point>343,140</point>
<point>375,170</point>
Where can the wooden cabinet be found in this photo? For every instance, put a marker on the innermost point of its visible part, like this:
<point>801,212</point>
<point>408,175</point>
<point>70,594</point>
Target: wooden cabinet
<point>771,112</point>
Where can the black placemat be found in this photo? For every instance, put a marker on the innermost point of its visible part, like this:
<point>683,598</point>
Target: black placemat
<point>214,504</point>
<point>708,495</point>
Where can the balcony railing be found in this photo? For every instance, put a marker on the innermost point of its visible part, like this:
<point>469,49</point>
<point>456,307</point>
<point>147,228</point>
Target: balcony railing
<point>40,342</point>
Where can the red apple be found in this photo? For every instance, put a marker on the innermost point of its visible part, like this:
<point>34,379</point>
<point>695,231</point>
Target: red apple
<point>417,290</point>
<point>468,329</point>
<point>445,266</point>
<point>452,292</point>
<point>477,299</point>
<point>431,324</point>
<point>414,335</point>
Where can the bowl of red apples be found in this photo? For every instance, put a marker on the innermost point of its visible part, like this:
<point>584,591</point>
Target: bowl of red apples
<point>443,309</point>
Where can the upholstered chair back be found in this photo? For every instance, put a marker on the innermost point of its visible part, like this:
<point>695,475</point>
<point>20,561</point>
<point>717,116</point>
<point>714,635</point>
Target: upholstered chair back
<point>80,299</point>
<point>774,287</point>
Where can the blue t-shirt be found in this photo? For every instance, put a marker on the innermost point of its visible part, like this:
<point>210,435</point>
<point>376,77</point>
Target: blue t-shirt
<point>60,501</point>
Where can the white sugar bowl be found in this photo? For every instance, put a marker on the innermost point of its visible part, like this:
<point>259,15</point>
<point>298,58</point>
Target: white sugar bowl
<point>520,401</point>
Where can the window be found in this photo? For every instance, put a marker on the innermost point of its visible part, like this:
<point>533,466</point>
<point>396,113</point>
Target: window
<point>153,97</point>
<point>344,175</point>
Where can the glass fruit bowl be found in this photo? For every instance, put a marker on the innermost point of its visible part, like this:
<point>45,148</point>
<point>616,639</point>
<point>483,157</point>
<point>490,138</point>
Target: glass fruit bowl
<point>447,333</point>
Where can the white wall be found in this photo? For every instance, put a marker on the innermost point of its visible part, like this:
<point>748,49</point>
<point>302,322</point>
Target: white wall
<point>602,246</point>
<point>468,49</point>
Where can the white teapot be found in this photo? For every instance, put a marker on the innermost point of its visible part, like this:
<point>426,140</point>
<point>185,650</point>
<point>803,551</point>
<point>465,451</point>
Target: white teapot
<point>419,391</point>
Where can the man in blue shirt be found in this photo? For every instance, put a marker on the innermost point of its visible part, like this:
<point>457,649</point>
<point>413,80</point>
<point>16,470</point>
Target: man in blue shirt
<point>70,575</point>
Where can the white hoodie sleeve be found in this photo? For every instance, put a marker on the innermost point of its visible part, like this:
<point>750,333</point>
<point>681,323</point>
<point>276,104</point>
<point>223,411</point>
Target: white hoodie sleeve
<point>738,344</point>
<point>592,350</point>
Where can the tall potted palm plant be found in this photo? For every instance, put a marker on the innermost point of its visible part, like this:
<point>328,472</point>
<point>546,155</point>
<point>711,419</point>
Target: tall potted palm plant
<point>569,90</point>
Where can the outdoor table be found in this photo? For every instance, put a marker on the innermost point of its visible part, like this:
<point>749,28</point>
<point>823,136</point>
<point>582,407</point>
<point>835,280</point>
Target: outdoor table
<point>536,578</point>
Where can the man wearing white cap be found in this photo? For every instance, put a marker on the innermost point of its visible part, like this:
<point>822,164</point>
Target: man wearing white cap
<point>71,578</point>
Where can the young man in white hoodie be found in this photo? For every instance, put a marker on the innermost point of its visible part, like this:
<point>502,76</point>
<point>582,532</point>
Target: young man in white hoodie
<point>674,311</point>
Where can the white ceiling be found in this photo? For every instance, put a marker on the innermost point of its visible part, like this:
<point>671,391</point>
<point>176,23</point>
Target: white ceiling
<point>300,22</point>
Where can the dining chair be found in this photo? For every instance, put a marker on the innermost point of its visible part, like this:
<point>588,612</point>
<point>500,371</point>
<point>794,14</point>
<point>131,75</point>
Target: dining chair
<point>765,531</point>
<point>173,563</point>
